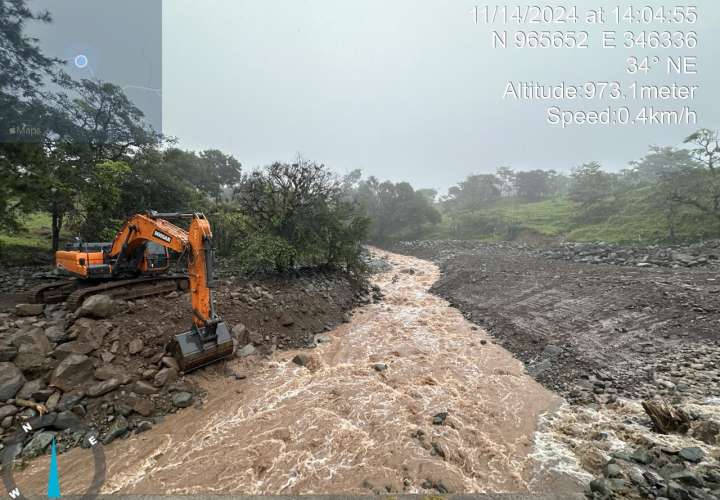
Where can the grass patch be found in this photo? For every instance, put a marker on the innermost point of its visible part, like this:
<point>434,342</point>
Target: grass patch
<point>32,244</point>
<point>632,217</point>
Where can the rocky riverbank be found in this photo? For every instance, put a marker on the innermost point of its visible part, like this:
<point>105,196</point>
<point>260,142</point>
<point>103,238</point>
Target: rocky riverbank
<point>607,337</point>
<point>105,367</point>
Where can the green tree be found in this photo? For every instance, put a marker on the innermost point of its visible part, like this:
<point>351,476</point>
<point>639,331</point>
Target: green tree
<point>698,185</point>
<point>475,192</point>
<point>534,185</point>
<point>396,211</point>
<point>299,214</point>
<point>592,188</point>
<point>23,71</point>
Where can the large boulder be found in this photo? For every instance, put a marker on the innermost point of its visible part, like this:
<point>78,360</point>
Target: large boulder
<point>29,309</point>
<point>75,347</point>
<point>29,361</point>
<point>33,340</point>
<point>89,332</point>
<point>97,306</point>
<point>11,380</point>
<point>72,371</point>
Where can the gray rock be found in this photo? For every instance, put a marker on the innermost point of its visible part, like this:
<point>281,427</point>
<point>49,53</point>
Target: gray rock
<point>89,332</point>
<point>688,478</point>
<point>66,420</point>
<point>170,362</point>
<point>103,387</point>
<point>38,444</point>
<point>30,361</point>
<point>72,371</point>
<point>56,334</point>
<point>439,419</point>
<point>143,426</point>
<point>11,380</point>
<point>97,306</point>
<point>692,454</point>
<point>107,372</point>
<point>182,399</point>
<point>29,388</point>
<point>142,387</point>
<point>600,486</point>
<point>380,367</point>
<point>64,350</point>
<point>70,399</point>
<point>675,491</point>
<point>165,376</point>
<point>321,338</point>
<point>246,351</point>
<point>29,309</point>
<point>613,470</point>
<point>7,410</point>
<point>8,352</point>
<point>239,331</point>
<point>34,341</point>
<point>53,400</point>
<point>641,456</point>
<point>707,431</point>
<point>118,429</point>
<point>301,359</point>
<point>144,407</point>
<point>135,346</point>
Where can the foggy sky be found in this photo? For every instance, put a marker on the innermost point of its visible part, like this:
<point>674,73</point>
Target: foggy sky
<point>404,90</point>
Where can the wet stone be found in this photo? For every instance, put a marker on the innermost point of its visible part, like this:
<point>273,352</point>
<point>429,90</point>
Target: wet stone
<point>439,419</point>
<point>182,399</point>
<point>692,454</point>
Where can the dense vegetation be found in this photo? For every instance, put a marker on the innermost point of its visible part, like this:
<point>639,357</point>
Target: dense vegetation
<point>670,195</point>
<point>77,158</point>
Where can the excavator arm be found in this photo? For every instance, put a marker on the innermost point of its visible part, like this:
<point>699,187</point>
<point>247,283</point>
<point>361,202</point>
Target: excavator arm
<point>208,339</point>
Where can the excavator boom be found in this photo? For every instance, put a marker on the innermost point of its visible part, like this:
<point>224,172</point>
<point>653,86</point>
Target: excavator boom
<point>208,339</point>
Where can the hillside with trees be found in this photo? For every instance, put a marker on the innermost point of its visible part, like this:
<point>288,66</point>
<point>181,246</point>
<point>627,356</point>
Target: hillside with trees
<point>670,195</point>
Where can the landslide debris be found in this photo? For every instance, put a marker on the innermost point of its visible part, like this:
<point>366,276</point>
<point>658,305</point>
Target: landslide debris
<point>106,365</point>
<point>609,328</point>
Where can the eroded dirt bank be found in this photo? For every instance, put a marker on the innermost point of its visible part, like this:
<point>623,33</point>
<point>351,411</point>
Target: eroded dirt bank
<point>607,338</point>
<point>407,397</point>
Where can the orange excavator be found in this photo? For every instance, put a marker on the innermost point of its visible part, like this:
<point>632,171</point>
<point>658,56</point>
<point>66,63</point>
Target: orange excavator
<point>138,259</point>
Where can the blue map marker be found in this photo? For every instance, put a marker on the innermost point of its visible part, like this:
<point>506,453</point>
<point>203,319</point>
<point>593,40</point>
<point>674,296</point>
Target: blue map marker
<point>53,476</point>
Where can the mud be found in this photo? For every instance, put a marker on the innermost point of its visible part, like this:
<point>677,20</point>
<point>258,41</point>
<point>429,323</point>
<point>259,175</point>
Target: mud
<point>364,415</point>
<point>606,337</point>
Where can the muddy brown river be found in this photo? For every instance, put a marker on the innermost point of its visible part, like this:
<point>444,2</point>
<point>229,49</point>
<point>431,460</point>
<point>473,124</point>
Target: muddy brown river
<point>340,425</point>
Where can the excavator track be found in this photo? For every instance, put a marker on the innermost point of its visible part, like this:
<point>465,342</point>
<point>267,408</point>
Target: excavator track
<point>129,289</point>
<point>53,292</point>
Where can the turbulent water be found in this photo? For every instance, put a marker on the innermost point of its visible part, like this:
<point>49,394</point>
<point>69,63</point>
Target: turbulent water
<point>341,426</point>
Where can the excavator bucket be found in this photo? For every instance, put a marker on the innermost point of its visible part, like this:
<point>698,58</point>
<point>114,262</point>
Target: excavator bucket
<point>202,346</point>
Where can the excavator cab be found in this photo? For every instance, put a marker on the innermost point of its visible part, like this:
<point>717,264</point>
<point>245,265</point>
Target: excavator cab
<point>94,260</point>
<point>156,259</point>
